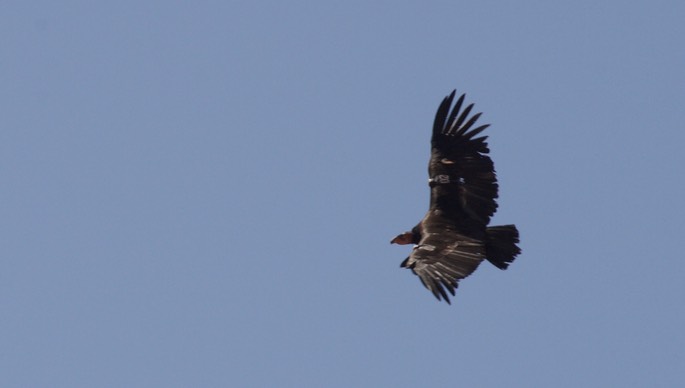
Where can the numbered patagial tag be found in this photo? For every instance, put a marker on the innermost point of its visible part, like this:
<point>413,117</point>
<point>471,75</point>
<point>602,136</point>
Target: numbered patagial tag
<point>440,179</point>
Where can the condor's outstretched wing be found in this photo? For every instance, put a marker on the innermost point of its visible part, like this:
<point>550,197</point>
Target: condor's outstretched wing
<point>462,176</point>
<point>443,257</point>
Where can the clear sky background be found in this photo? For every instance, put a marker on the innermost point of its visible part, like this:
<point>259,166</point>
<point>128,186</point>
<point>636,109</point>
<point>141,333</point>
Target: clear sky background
<point>202,193</point>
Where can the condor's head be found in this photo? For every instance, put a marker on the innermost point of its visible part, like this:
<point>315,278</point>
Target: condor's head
<point>411,237</point>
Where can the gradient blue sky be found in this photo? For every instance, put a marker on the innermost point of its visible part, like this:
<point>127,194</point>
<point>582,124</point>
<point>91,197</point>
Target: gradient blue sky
<point>201,193</point>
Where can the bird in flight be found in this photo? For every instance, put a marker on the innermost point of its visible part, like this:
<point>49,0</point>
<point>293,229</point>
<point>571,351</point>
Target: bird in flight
<point>454,237</point>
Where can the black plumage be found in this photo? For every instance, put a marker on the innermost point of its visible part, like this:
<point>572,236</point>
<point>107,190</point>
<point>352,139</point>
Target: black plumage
<point>454,238</point>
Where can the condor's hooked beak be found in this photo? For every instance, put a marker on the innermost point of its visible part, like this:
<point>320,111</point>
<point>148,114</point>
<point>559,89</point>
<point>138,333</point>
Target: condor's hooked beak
<point>403,239</point>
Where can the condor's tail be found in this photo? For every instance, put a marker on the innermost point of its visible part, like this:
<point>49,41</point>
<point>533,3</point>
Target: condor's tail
<point>500,245</point>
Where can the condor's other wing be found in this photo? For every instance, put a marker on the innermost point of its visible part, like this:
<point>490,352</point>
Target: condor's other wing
<point>443,257</point>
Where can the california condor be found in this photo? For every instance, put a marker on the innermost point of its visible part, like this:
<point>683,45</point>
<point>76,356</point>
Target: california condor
<point>454,237</point>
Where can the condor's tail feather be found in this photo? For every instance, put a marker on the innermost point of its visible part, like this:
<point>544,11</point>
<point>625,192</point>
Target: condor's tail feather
<point>500,245</point>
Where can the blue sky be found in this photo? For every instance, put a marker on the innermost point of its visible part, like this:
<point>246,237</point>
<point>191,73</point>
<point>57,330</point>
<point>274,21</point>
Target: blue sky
<point>201,193</point>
